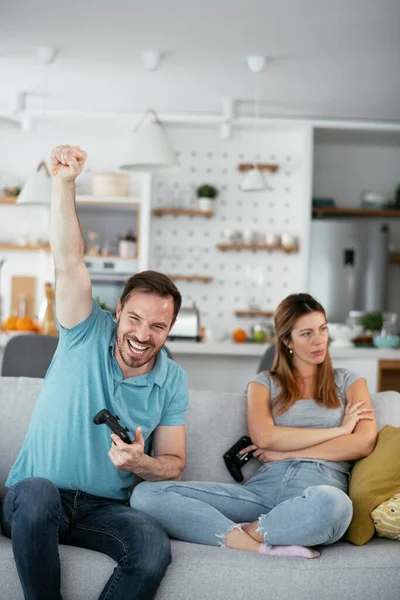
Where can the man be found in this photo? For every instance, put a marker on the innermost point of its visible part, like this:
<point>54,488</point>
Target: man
<point>70,483</point>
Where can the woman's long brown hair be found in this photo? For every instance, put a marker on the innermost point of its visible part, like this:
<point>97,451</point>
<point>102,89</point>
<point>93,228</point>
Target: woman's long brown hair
<point>283,370</point>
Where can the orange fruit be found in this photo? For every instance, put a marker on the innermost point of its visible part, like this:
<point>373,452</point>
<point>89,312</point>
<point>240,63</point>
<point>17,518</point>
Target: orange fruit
<point>239,335</point>
<point>10,324</point>
<point>24,324</point>
<point>36,326</point>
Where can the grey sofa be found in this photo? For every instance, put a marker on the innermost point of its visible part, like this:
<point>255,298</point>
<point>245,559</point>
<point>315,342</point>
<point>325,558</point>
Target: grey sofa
<point>215,421</point>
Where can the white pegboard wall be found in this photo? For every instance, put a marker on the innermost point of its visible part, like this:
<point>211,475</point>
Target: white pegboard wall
<point>187,245</point>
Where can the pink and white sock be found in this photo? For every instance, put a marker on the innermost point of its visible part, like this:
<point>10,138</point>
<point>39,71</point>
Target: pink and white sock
<point>299,551</point>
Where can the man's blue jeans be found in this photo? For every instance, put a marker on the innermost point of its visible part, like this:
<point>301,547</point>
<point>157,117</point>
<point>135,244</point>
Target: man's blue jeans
<point>37,517</point>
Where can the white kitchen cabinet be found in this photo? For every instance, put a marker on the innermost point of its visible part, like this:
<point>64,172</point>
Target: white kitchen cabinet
<point>112,217</point>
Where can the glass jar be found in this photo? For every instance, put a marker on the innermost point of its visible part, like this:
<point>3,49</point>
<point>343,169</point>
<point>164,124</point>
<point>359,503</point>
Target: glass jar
<point>390,325</point>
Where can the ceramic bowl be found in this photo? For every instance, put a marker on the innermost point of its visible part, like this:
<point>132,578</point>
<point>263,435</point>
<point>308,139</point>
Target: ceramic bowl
<point>387,341</point>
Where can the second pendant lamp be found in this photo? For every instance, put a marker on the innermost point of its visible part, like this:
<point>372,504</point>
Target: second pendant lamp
<point>150,148</point>
<point>253,181</point>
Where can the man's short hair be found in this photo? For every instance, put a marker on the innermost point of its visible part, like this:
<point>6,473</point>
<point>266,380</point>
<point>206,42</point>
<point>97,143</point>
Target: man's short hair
<point>154,283</point>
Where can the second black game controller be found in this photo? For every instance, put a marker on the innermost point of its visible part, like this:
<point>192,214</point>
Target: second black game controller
<point>104,416</point>
<point>234,460</point>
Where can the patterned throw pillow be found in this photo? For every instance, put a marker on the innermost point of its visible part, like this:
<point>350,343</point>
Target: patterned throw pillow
<point>386,518</point>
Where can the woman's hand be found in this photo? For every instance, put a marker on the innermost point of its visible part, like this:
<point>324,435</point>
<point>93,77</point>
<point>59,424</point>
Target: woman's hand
<point>264,455</point>
<point>353,414</point>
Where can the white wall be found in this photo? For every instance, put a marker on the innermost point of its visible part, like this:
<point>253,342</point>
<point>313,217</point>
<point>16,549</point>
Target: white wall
<point>188,245</point>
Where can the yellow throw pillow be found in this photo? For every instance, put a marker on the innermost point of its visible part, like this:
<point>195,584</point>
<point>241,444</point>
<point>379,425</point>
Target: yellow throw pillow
<point>374,479</point>
<point>386,518</point>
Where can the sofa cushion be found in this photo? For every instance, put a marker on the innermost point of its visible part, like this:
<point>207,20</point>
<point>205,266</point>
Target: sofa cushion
<point>215,421</point>
<point>386,518</point>
<point>374,479</point>
<point>342,571</point>
<point>199,572</point>
<point>387,408</point>
<point>84,573</point>
<point>17,399</point>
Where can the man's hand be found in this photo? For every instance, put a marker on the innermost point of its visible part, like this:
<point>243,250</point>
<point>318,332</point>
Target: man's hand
<point>67,162</point>
<point>127,457</point>
<point>266,455</point>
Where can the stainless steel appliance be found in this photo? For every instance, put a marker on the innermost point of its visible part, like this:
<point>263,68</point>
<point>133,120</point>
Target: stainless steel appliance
<point>187,326</point>
<point>349,262</point>
<point>108,277</point>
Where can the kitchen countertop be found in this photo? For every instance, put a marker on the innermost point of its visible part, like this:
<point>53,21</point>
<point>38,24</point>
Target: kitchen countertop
<point>252,349</point>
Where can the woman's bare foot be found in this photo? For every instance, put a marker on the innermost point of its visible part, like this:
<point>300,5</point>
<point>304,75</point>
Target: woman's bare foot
<point>237,539</point>
<point>251,530</point>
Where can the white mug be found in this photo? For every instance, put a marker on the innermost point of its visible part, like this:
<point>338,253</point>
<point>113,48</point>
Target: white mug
<point>273,240</point>
<point>288,240</point>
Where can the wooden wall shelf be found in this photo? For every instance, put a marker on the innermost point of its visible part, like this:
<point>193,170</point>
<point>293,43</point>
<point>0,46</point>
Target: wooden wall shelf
<point>8,199</point>
<point>100,257</point>
<point>395,259</point>
<point>200,278</point>
<point>333,211</point>
<point>257,247</point>
<point>243,167</point>
<point>129,202</point>
<point>254,313</point>
<point>189,212</point>
<point>26,247</point>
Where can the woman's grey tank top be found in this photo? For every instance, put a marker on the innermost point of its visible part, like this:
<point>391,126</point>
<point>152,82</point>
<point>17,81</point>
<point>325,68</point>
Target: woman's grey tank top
<point>308,413</point>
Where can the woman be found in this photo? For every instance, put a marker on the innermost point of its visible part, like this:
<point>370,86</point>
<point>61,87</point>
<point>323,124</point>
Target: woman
<point>307,422</point>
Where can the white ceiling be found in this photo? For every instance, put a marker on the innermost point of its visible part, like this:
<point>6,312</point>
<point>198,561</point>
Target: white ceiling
<point>329,58</point>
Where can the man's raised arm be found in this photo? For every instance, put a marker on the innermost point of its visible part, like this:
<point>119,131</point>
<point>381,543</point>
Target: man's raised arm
<point>73,285</point>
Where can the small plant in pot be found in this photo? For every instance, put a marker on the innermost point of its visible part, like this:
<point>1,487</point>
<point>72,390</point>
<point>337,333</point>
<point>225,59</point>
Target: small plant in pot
<point>206,195</point>
<point>372,322</point>
<point>127,245</point>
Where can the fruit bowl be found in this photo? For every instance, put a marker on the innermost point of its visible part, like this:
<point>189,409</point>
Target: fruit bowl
<point>342,334</point>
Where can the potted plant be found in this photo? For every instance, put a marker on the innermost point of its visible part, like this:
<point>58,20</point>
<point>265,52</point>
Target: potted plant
<point>206,195</point>
<point>127,245</point>
<point>372,321</point>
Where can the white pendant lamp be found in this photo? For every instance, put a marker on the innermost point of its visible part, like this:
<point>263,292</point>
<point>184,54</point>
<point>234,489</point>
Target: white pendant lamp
<point>9,123</point>
<point>150,147</point>
<point>37,189</point>
<point>253,180</point>
<point>11,120</point>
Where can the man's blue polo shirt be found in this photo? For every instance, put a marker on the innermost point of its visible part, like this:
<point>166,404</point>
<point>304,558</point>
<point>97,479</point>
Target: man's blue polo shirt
<point>62,443</point>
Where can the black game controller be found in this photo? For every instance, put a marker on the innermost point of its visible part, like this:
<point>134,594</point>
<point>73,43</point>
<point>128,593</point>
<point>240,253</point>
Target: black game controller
<point>104,416</point>
<point>235,461</point>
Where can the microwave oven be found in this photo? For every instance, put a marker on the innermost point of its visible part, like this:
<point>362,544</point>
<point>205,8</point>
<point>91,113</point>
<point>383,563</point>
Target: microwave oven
<point>108,276</point>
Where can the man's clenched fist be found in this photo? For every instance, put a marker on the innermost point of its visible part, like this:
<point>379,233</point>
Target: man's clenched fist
<point>67,162</point>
